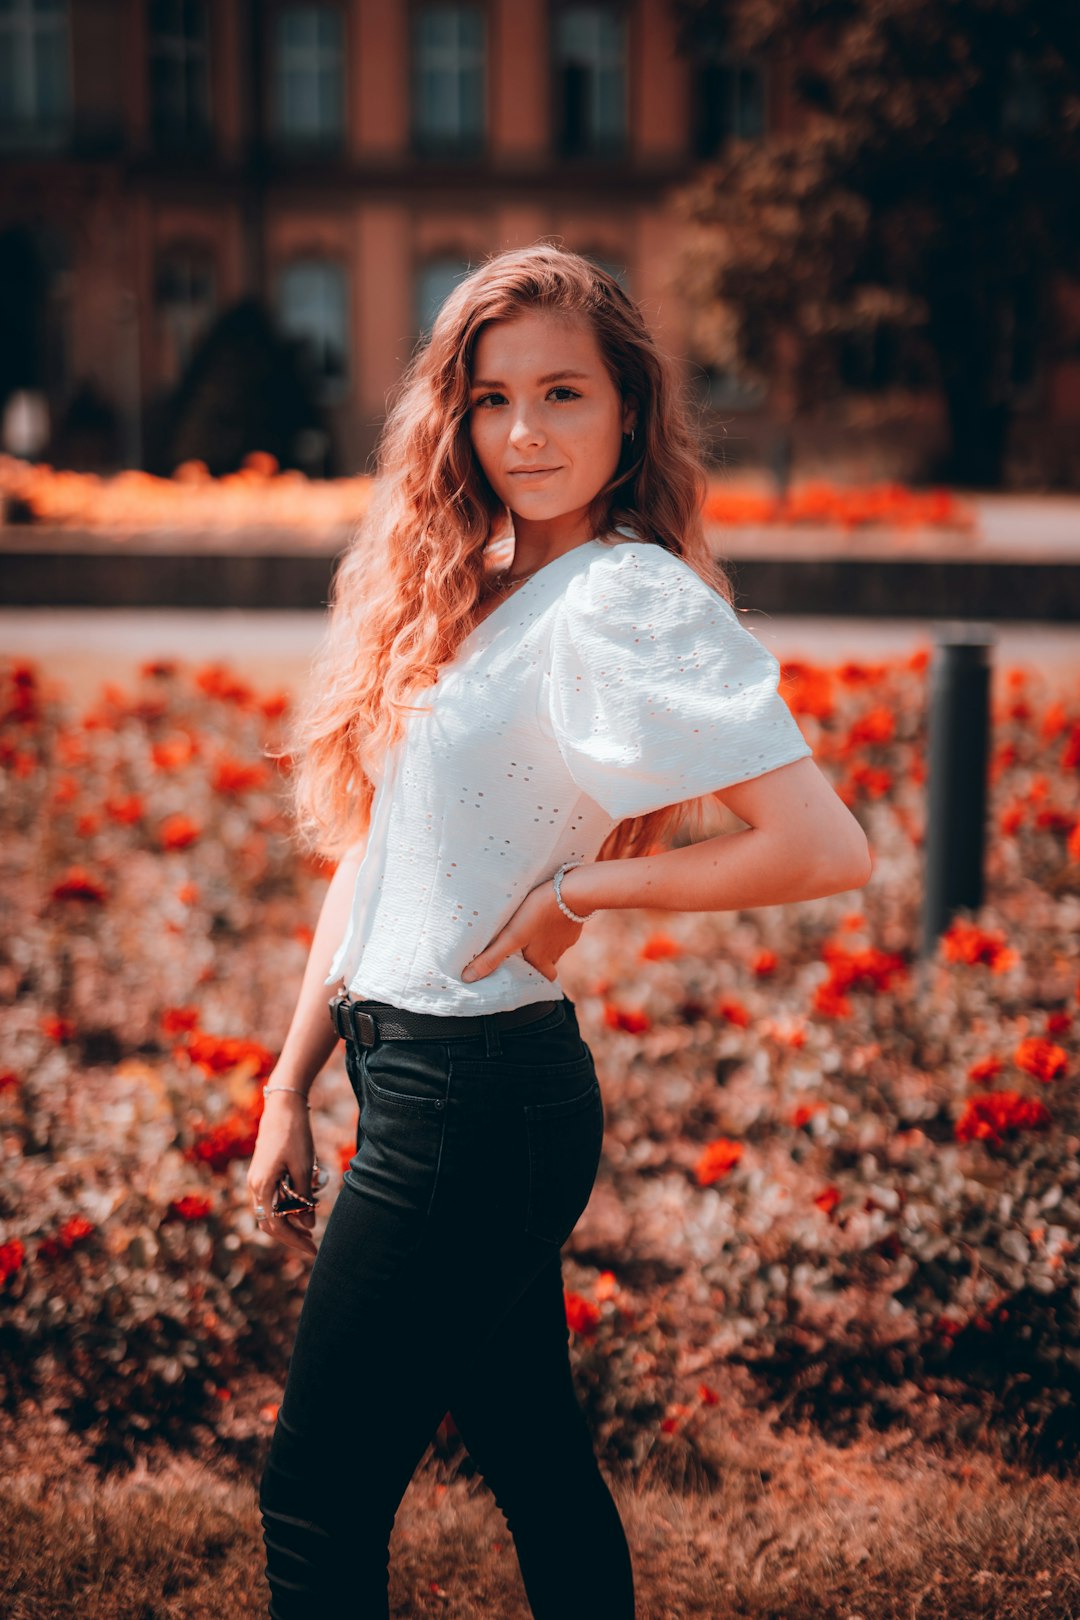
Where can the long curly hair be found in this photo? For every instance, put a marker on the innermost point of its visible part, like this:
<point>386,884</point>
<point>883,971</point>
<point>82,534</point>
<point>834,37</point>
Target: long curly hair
<point>414,568</point>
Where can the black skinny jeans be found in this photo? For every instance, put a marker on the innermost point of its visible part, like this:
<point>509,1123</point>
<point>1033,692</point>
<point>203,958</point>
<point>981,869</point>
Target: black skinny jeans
<point>438,1287</point>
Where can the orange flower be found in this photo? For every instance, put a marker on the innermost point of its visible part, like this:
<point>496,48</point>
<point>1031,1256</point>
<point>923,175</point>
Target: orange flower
<point>188,894</point>
<point>659,945</point>
<point>719,1156</point>
<point>993,1114</point>
<point>178,831</point>
<point>218,1145</point>
<point>174,751</point>
<point>217,681</point>
<point>1040,1057</point>
<point>763,963</point>
<point>827,1199</point>
<point>77,884</point>
<point>803,1113</point>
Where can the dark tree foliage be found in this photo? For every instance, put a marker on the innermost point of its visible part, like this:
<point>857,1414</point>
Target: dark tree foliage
<point>247,388</point>
<point>924,214</point>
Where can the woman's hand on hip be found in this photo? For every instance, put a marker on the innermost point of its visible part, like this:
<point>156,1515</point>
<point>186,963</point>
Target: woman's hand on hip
<point>538,930</point>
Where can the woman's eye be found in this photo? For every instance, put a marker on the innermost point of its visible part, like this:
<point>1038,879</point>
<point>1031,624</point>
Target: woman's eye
<point>559,388</point>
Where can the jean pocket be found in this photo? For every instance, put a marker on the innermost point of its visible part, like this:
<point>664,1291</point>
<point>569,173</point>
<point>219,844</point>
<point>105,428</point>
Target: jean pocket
<point>565,1138</point>
<point>551,1042</point>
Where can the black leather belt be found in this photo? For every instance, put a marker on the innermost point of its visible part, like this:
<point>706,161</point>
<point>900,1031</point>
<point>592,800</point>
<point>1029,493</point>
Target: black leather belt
<point>366,1022</point>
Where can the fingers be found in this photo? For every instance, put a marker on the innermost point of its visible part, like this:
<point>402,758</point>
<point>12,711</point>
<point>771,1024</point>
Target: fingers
<point>289,1229</point>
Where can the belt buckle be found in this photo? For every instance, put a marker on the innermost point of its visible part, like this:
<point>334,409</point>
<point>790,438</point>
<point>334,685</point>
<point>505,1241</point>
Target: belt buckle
<point>350,1024</point>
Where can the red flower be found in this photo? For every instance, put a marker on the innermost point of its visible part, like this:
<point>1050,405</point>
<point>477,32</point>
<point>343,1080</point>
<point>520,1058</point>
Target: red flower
<point>218,1145</point>
<point>235,776</point>
<point>828,1199</point>
<point>12,1255</point>
<point>216,1054</point>
<point>176,1019</point>
<point>719,1156</point>
<point>764,963</point>
<point>191,1207</point>
<point>984,1071</point>
<point>659,945</point>
<point>127,810</point>
<point>992,1114</point>
<point>581,1314</point>
<point>966,942</point>
<point>733,1011</point>
<point>57,1029</point>
<point>1040,1057</point>
<point>77,884</point>
<point>633,1021</point>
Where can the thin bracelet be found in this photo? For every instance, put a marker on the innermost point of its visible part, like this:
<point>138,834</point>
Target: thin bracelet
<point>307,1105</point>
<point>567,866</point>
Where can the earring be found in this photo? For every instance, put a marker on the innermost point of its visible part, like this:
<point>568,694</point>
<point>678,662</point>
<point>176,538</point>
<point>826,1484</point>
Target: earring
<point>630,435</point>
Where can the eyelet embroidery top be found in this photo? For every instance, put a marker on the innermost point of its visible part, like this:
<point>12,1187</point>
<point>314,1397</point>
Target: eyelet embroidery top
<point>612,682</point>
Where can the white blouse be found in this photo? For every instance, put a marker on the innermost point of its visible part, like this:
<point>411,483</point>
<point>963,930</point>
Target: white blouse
<point>612,682</point>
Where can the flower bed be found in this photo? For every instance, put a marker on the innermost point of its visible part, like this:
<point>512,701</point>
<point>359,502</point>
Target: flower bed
<point>260,495</point>
<point>835,1182</point>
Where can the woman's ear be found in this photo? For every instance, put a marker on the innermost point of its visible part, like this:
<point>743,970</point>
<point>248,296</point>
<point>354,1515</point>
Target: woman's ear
<point>630,413</point>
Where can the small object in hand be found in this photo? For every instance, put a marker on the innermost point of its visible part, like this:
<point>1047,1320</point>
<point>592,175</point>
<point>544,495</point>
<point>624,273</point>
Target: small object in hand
<point>291,1202</point>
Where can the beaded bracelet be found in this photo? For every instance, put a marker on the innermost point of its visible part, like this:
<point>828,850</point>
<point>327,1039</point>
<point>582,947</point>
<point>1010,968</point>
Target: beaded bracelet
<point>307,1105</point>
<point>567,866</point>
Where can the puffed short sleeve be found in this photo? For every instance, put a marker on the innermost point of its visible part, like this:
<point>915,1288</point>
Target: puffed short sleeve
<point>657,691</point>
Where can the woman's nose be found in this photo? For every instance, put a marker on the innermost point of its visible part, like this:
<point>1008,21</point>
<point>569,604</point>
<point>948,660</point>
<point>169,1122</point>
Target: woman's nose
<point>526,432</point>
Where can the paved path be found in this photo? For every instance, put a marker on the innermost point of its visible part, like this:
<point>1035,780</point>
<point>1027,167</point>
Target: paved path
<point>273,649</point>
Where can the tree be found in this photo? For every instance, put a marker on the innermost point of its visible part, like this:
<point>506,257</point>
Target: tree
<point>923,215</point>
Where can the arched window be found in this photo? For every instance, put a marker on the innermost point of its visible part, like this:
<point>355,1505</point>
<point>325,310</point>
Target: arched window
<point>313,308</point>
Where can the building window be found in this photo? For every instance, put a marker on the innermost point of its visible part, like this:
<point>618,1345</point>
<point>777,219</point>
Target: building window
<point>313,309</point>
<point>35,82</point>
<point>179,72</point>
<point>185,297</point>
<point>309,87</point>
<point>729,101</point>
<point>448,83</point>
<point>434,282</point>
<point>590,80</point>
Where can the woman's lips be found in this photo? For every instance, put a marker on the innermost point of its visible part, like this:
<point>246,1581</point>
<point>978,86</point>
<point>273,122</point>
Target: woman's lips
<point>535,472</point>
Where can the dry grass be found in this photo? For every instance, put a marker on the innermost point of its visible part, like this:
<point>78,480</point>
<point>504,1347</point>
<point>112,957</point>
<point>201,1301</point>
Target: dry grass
<point>797,1529</point>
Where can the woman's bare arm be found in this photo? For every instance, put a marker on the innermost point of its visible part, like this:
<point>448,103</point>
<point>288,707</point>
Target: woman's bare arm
<point>801,842</point>
<point>311,1038</point>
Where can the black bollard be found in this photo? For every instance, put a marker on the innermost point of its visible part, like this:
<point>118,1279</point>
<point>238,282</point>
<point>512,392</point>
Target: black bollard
<point>956,799</point>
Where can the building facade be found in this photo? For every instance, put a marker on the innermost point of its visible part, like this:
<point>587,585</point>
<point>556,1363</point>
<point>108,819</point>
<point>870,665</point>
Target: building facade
<point>344,161</point>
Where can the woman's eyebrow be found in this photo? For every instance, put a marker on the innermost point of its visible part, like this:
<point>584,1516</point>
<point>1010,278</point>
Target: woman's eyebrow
<point>552,376</point>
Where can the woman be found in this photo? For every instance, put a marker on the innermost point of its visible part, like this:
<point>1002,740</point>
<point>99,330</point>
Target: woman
<point>490,756</point>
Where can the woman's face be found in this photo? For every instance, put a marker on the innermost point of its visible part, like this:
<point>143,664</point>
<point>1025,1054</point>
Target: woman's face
<point>541,398</point>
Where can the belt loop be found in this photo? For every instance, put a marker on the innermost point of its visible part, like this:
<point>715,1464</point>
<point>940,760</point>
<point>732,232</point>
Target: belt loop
<point>492,1045</point>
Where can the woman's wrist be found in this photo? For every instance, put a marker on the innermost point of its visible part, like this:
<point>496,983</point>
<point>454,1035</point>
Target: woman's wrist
<point>574,888</point>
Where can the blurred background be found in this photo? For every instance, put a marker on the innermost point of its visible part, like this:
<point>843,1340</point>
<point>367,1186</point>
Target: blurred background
<point>224,226</point>
<point>825,1302</point>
